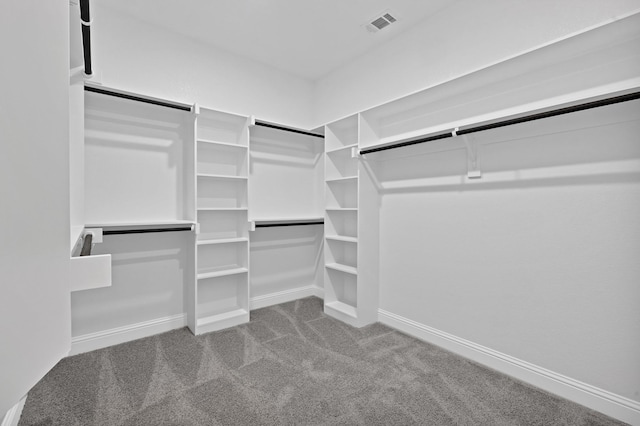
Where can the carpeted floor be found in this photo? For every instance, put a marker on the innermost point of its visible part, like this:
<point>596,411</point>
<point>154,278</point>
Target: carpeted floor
<point>290,365</point>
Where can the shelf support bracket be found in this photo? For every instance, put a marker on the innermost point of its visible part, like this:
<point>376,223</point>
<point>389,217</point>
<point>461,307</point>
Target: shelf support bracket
<point>473,160</point>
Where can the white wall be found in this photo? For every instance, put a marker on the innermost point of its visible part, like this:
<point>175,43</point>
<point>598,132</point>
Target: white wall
<point>34,193</point>
<point>538,259</point>
<point>467,36</point>
<point>150,273</point>
<point>139,57</point>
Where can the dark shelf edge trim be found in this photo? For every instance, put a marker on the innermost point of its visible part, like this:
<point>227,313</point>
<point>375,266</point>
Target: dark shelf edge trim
<point>509,122</point>
<point>108,92</point>
<point>145,230</point>
<point>287,129</point>
<point>271,225</point>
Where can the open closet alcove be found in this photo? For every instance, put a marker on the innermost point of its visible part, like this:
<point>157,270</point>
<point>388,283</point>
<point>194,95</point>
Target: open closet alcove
<point>385,213</point>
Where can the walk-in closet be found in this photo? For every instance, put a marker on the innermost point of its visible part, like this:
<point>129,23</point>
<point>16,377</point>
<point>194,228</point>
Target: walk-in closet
<point>427,215</point>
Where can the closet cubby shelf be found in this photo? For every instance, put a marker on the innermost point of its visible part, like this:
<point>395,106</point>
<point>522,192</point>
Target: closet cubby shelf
<point>341,238</point>
<point>342,179</point>
<point>222,241</point>
<point>341,209</point>
<point>214,176</point>
<point>220,272</point>
<point>285,220</point>
<point>343,308</point>
<point>342,268</point>
<point>126,226</point>
<point>227,209</point>
<point>225,144</point>
<point>219,318</point>
<point>342,148</point>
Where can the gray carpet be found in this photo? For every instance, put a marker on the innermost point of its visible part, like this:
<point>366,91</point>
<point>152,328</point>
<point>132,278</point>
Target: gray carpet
<point>291,365</point>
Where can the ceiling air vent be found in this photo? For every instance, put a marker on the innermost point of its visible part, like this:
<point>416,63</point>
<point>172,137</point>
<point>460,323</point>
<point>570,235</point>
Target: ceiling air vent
<point>381,22</point>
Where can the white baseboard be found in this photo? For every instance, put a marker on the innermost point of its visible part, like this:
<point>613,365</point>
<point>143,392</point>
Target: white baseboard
<point>606,402</point>
<point>115,336</point>
<point>285,296</point>
<point>13,415</point>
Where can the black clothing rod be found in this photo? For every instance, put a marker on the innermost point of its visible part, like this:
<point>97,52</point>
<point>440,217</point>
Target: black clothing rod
<point>552,113</point>
<point>538,116</point>
<point>408,142</point>
<point>86,35</point>
<point>271,225</point>
<point>86,245</point>
<point>108,92</point>
<point>145,230</point>
<point>288,129</point>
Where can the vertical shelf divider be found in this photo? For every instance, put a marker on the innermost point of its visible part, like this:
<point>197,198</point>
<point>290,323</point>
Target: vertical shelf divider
<point>351,291</point>
<point>219,296</point>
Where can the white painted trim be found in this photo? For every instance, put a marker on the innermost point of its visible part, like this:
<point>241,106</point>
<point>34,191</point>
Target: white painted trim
<point>606,402</point>
<point>285,296</point>
<point>114,336</point>
<point>13,415</point>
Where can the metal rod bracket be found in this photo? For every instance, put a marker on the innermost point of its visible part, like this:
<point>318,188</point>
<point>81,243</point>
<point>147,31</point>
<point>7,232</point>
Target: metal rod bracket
<point>473,160</point>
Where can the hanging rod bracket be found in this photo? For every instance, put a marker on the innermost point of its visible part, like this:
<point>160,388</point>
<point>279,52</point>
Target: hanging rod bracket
<point>473,160</point>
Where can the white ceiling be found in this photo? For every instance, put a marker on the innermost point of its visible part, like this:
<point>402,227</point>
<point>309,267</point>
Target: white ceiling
<point>308,38</point>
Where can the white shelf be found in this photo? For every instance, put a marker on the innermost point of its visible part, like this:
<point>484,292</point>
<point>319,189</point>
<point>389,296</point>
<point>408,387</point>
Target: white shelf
<point>220,272</point>
<point>341,238</point>
<point>221,317</point>
<point>342,179</point>
<point>222,320</point>
<point>222,209</point>
<point>342,268</point>
<point>342,148</point>
<point>225,144</point>
<point>285,220</point>
<point>343,308</point>
<point>123,226</point>
<point>222,241</point>
<point>341,209</point>
<point>214,176</point>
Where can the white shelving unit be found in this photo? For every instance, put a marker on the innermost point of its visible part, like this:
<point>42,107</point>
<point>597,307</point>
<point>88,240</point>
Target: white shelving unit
<point>348,296</point>
<point>219,297</point>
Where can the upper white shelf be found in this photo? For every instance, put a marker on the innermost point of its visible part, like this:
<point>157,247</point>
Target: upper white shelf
<point>127,226</point>
<point>572,70</point>
<point>223,144</point>
<point>215,176</point>
<point>342,148</point>
<point>342,179</point>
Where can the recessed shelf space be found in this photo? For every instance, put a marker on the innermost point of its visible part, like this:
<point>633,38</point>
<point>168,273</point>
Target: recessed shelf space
<point>342,308</point>
<point>222,224</point>
<point>217,258</point>
<point>221,160</point>
<point>222,302</point>
<point>221,193</point>
<point>342,194</point>
<point>340,164</point>
<point>342,253</point>
<point>342,268</point>
<point>342,222</point>
<point>216,126</point>
<point>341,288</point>
<point>342,134</point>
